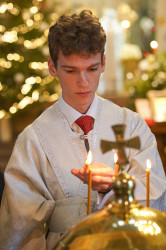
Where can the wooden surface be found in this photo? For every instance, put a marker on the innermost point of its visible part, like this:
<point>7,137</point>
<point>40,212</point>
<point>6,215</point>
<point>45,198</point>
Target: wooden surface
<point>159,130</point>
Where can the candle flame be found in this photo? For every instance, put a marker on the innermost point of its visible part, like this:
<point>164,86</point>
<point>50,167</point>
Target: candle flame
<point>154,44</point>
<point>148,163</point>
<point>89,158</point>
<point>115,157</point>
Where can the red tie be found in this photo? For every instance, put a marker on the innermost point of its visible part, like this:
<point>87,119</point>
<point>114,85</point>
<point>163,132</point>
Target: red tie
<point>85,123</point>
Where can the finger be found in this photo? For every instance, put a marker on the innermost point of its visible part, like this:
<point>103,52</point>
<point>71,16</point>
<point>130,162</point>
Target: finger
<point>103,172</point>
<point>80,171</point>
<point>82,177</point>
<point>74,171</point>
<point>85,167</point>
<point>100,180</point>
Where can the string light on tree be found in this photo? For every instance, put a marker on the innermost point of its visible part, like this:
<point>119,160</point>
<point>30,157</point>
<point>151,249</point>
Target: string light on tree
<point>2,114</point>
<point>2,28</point>
<point>24,75</point>
<point>13,110</point>
<point>13,9</point>
<point>1,87</point>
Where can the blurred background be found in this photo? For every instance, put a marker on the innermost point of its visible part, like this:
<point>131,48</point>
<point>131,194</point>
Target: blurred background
<point>135,75</point>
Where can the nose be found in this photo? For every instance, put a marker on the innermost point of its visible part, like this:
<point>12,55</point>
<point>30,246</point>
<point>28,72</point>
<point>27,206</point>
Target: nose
<point>82,78</point>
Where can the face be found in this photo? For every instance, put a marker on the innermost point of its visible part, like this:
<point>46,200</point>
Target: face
<point>79,78</point>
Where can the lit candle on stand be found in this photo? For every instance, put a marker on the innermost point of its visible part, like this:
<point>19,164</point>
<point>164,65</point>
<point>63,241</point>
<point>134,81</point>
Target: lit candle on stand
<point>154,46</point>
<point>116,165</point>
<point>147,181</point>
<point>88,162</point>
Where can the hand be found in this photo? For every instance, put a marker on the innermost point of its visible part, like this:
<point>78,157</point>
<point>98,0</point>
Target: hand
<point>101,176</point>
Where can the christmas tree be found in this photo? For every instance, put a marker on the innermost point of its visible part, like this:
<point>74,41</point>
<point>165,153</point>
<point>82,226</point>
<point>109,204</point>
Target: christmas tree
<point>24,78</point>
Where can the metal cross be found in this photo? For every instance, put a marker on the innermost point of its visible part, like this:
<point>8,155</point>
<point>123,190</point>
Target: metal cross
<point>120,144</point>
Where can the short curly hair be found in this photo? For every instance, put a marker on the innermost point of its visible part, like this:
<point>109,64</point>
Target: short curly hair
<point>76,33</point>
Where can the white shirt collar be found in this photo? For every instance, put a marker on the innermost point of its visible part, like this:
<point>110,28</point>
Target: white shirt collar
<point>71,114</point>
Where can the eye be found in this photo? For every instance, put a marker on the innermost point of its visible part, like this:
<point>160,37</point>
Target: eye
<point>93,69</point>
<point>70,71</point>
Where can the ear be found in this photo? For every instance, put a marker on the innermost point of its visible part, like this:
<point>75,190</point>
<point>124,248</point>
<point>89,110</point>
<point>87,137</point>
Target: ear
<point>103,63</point>
<point>52,68</point>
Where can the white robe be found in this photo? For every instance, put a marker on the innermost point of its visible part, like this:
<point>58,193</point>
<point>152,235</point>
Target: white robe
<point>39,186</point>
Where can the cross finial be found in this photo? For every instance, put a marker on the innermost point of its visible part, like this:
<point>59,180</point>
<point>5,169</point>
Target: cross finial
<point>120,144</point>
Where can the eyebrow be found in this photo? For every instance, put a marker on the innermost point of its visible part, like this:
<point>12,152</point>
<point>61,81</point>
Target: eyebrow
<point>72,67</point>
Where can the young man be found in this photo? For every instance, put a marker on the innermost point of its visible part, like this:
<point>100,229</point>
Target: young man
<point>45,179</point>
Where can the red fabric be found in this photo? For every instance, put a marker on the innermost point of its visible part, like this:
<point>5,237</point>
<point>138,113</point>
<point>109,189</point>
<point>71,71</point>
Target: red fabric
<point>150,122</point>
<point>85,123</point>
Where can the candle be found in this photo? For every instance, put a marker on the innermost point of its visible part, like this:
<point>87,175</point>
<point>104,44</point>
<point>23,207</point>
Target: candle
<point>154,45</point>
<point>89,190</point>
<point>147,181</point>
<point>116,165</point>
<point>88,162</point>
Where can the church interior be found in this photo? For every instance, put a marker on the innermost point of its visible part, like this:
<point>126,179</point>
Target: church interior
<point>134,76</point>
